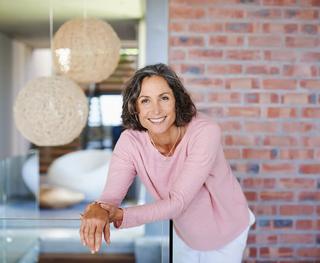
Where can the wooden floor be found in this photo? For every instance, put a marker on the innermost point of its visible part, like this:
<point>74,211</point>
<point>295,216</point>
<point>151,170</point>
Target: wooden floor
<point>86,258</point>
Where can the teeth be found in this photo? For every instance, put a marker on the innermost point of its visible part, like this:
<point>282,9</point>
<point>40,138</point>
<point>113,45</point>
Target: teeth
<point>157,120</point>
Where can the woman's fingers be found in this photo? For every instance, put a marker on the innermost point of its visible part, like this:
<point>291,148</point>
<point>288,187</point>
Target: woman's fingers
<point>106,233</point>
<point>81,231</point>
<point>98,237</point>
<point>91,237</point>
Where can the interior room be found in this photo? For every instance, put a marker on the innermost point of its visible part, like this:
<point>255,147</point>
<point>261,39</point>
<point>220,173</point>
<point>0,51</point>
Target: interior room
<point>45,188</point>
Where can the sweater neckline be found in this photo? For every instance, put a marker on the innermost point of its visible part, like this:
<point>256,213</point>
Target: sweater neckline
<point>182,141</point>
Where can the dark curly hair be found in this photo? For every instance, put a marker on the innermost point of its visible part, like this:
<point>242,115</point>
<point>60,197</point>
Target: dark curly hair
<point>185,108</point>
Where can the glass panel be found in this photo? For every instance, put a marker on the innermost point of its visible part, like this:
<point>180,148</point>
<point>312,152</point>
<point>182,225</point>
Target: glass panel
<point>28,234</point>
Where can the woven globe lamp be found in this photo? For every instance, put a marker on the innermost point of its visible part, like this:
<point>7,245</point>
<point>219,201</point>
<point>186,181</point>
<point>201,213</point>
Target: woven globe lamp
<point>51,111</point>
<point>86,50</point>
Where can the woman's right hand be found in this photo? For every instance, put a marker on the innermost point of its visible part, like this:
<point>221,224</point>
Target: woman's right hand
<point>94,222</point>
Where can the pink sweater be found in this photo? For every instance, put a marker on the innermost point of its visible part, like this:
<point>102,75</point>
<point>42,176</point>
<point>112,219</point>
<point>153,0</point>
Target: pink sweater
<point>195,187</point>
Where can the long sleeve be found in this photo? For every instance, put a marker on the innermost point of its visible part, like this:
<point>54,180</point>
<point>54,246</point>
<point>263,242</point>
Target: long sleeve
<point>202,152</point>
<point>121,173</point>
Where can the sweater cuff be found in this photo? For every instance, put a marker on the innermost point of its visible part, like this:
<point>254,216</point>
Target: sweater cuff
<point>126,219</point>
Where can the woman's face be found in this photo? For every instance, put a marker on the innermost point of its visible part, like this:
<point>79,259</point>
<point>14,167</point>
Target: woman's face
<point>156,105</point>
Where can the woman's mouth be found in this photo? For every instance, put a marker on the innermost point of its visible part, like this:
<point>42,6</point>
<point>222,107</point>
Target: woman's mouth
<point>157,120</point>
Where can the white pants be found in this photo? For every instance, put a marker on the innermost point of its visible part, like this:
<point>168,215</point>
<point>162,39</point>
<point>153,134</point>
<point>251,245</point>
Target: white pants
<point>230,253</point>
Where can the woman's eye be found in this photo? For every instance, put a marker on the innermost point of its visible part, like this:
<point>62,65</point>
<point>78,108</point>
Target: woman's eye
<point>165,98</point>
<point>144,101</point>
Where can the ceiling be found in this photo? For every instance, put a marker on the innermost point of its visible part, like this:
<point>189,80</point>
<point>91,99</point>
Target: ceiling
<point>28,21</point>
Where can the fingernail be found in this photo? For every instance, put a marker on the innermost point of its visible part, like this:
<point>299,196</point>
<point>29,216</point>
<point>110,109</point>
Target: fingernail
<point>84,244</point>
<point>92,251</point>
<point>97,249</point>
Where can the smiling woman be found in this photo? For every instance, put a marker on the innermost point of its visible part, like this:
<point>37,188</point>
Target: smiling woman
<point>178,155</point>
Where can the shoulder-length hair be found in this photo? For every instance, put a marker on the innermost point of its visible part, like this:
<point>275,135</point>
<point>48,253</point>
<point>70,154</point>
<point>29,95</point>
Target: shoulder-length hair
<point>185,108</point>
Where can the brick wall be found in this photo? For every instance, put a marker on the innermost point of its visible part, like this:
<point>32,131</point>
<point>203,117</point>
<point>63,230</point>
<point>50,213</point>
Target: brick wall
<point>255,66</point>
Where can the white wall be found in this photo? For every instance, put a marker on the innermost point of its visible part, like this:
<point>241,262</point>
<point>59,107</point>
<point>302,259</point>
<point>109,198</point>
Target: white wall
<point>19,64</point>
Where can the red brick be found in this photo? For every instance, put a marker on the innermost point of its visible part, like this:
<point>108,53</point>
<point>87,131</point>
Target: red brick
<point>257,154</point>
<point>251,196</point>
<point>177,27</point>
<point>310,57</point>
<point>205,82</point>
<point>310,2</point>
<point>278,168</point>
<point>280,141</point>
<point>232,153</point>
<point>279,84</point>
<point>296,238</point>
<point>311,112</point>
<point>309,196</point>
<point>310,168</point>
<point>309,29</point>
<point>295,98</point>
<point>255,127</point>
<point>232,126</point>
<point>224,69</point>
<point>258,183</point>
<point>240,83</point>
<point>251,97</point>
<point>309,252</point>
<point>311,141</point>
<point>301,42</point>
<point>279,2</point>
<point>225,97</point>
<point>212,111</point>
<point>197,97</point>
<point>262,98</point>
<point>243,111</point>
<point>181,41</point>
<point>239,27</point>
<point>192,68</point>
<point>280,28</point>
<point>264,239</point>
<point>226,40</point>
<point>290,210</point>
<point>297,183</point>
<point>241,140</point>
<point>262,70</point>
<point>264,209</point>
<point>265,41</point>
<point>285,252</point>
<point>186,12</point>
<point>310,84</point>
<point>252,253</point>
<point>281,112</point>
<point>265,13</point>
<point>304,224</point>
<point>243,55</point>
<point>281,55</point>
<point>201,27</point>
<point>205,54</point>
<point>293,154</point>
<point>276,196</point>
<point>224,13</point>
<point>302,70</point>
<point>304,14</point>
<point>177,55</point>
<point>298,127</point>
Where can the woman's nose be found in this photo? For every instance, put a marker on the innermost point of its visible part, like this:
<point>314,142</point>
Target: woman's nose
<point>156,108</point>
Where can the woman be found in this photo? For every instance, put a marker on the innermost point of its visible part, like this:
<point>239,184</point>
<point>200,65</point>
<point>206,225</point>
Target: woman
<point>177,154</point>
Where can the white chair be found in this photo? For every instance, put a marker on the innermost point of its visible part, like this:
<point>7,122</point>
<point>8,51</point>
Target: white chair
<point>84,171</point>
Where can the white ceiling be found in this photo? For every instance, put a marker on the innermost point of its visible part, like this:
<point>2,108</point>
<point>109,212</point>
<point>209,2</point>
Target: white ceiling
<point>29,20</point>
